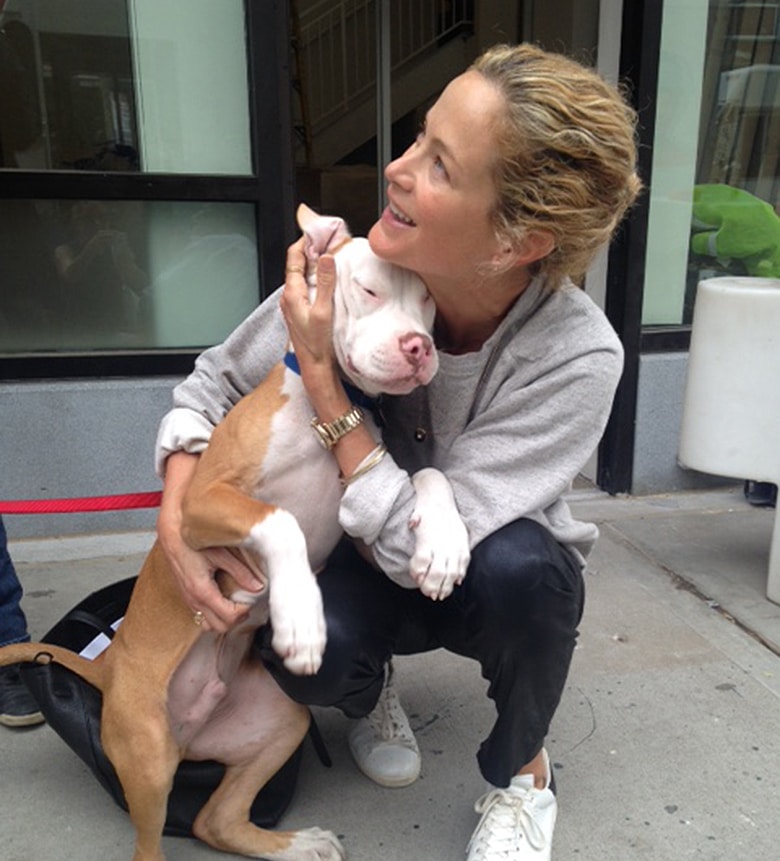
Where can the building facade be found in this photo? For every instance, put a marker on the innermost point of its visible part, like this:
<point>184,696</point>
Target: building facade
<point>151,161</point>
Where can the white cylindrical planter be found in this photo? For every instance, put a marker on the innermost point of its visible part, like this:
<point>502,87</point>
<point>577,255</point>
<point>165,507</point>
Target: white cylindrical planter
<point>731,412</point>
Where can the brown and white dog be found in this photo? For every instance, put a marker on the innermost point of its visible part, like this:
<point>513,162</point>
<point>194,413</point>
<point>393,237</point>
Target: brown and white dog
<point>266,488</point>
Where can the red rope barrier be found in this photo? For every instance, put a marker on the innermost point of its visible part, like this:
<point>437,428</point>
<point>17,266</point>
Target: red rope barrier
<point>117,502</point>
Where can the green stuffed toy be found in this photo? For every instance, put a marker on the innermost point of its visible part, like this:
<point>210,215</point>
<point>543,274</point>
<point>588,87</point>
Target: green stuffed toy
<point>731,224</point>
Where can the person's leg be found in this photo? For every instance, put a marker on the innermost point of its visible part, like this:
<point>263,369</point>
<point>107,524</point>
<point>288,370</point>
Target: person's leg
<point>517,613</point>
<point>13,624</point>
<point>365,614</point>
<point>17,706</point>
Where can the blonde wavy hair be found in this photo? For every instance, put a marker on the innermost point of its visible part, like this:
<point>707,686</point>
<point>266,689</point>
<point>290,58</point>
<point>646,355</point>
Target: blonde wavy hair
<point>567,155</point>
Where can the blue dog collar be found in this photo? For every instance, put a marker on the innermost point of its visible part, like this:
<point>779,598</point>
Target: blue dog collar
<point>360,399</point>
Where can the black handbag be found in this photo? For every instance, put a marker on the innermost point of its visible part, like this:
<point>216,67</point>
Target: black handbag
<point>72,708</point>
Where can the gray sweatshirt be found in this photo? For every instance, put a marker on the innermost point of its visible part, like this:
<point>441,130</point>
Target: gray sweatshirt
<point>511,426</point>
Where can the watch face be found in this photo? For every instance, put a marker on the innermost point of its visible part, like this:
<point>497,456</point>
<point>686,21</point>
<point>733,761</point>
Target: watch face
<point>323,437</point>
<point>329,433</point>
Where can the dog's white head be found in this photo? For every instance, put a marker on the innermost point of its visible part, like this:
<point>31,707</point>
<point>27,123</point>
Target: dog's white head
<point>382,314</point>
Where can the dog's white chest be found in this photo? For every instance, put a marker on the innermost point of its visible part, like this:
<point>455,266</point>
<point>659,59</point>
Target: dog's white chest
<point>299,475</point>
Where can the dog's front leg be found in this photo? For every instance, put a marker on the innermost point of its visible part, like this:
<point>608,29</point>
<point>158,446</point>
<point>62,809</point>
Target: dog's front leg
<point>294,598</point>
<point>220,515</point>
<point>441,554</point>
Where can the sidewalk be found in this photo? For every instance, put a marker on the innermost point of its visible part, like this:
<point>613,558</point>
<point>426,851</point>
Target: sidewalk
<point>666,745</point>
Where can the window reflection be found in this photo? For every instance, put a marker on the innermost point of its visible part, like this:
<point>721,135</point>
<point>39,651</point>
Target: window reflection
<point>114,85</point>
<point>67,79</point>
<point>98,275</point>
<point>735,225</point>
<point>101,278</point>
<point>204,272</point>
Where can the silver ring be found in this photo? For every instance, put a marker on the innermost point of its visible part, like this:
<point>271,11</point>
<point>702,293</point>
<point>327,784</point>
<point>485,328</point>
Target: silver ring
<point>198,618</point>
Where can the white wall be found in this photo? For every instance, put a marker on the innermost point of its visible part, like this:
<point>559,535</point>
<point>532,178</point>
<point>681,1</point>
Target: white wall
<point>80,438</point>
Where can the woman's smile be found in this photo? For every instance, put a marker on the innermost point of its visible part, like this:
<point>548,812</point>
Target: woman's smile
<point>399,215</point>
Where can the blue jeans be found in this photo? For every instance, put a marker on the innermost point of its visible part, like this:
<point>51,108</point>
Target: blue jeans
<point>13,625</point>
<point>516,613</point>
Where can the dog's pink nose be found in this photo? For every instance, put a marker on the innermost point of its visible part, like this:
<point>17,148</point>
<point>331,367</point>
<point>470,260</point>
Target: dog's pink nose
<point>415,347</point>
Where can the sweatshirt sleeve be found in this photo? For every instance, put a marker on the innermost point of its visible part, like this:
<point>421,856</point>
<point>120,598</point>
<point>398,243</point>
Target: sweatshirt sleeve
<point>377,509</point>
<point>221,377</point>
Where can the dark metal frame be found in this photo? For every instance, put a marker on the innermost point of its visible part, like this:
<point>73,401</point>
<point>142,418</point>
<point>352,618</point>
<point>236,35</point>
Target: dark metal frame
<point>639,60</point>
<point>270,189</point>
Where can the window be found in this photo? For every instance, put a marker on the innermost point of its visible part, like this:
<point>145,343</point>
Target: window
<point>336,50</point>
<point>135,201</point>
<point>715,188</point>
<point>124,274</point>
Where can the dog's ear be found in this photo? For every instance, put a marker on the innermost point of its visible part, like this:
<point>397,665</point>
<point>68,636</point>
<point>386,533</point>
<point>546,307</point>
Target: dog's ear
<point>323,233</point>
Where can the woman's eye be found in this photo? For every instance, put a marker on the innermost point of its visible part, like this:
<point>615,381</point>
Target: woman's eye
<point>369,292</point>
<point>438,164</point>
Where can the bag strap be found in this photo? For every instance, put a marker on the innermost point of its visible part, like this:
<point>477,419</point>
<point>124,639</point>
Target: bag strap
<point>92,620</point>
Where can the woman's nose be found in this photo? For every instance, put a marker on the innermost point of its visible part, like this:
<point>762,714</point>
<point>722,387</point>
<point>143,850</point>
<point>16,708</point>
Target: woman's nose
<point>398,171</point>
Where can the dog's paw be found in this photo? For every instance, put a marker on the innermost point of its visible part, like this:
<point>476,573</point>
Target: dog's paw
<point>441,554</point>
<point>440,560</point>
<point>310,844</point>
<point>298,623</point>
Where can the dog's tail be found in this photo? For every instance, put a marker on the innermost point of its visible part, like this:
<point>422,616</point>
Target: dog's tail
<point>44,653</point>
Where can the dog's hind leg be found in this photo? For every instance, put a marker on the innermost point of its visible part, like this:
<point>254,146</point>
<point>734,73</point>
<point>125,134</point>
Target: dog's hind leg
<point>225,825</point>
<point>254,735</point>
<point>145,758</point>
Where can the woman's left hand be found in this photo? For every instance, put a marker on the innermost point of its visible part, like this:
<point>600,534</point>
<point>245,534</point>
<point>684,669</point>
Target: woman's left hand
<point>310,324</point>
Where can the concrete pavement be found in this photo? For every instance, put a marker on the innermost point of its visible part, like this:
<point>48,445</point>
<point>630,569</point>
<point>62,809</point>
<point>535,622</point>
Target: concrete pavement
<point>666,744</point>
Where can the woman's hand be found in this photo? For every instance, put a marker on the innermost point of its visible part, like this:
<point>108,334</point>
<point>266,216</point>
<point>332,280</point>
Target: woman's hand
<point>194,570</point>
<point>310,324</point>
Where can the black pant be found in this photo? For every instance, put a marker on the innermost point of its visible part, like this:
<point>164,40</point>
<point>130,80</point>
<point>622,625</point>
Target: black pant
<point>516,613</point>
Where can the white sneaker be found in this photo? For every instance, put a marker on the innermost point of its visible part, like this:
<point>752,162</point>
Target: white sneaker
<point>383,744</point>
<point>517,822</point>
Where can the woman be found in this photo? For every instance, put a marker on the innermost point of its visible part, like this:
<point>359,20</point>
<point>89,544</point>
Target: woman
<point>524,167</point>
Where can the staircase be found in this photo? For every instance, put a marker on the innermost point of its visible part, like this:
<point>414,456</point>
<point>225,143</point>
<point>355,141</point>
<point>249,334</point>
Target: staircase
<point>334,47</point>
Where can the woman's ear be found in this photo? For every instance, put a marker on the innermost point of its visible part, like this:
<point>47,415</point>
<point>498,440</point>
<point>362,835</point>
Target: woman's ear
<point>535,245</point>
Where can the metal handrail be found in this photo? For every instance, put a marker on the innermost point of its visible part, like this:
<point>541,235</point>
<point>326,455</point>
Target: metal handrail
<point>336,47</point>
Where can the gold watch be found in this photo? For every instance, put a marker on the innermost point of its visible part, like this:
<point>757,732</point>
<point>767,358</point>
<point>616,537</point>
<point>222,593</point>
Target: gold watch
<point>329,433</point>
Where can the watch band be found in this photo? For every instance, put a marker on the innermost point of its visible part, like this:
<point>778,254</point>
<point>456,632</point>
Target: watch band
<point>329,433</point>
